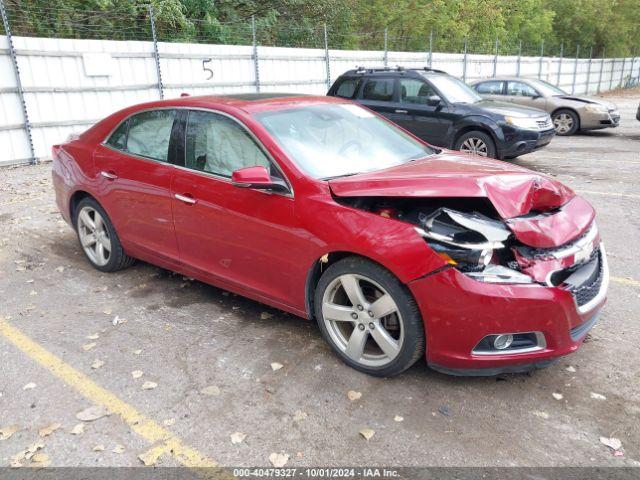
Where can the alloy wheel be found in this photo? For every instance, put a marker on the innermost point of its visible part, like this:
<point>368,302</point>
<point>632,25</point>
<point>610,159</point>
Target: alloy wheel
<point>363,320</point>
<point>563,123</point>
<point>94,236</point>
<point>474,145</point>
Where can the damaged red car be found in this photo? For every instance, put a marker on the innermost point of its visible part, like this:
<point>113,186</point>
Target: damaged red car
<point>322,208</point>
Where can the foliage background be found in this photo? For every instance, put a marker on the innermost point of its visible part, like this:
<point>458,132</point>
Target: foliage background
<point>611,26</point>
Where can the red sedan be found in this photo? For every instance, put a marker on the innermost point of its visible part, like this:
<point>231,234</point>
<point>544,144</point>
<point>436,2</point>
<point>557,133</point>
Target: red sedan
<point>319,207</point>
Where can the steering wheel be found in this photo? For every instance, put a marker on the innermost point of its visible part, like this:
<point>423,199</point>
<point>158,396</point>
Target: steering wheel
<point>348,145</point>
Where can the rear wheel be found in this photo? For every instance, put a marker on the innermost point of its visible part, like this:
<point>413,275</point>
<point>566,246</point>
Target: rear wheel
<point>565,122</point>
<point>476,142</point>
<point>368,317</point>
<point>98,237</point>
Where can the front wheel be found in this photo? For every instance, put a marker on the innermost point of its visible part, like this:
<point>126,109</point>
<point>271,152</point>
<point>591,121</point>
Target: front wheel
<point>476,142</point>
<point>368,317</point>
<point>565,122</point>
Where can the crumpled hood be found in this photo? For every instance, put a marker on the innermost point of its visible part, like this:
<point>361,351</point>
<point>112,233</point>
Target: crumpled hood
<point>514,192</point>
<point>581,99</point>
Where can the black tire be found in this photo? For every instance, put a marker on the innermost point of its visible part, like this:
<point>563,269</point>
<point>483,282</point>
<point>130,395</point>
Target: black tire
<point>575,122</point>
<point>413,344</point>
<point>473,137</point>
<point>118,259</point>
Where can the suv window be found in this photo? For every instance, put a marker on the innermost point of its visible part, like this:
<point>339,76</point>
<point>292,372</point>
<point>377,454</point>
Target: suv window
<point>149,132</point>
<point>520,89</point>
<point>217,144</point>
<point>348,87</point>
<point>415,91</point>
<point>490,88</point>
<point>380,89</point>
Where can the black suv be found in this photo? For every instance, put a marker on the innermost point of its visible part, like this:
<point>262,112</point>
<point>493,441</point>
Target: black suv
<point>444,111</point>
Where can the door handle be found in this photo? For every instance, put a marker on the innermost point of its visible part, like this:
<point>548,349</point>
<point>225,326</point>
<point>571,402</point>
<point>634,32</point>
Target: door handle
<point>402,111</point>
<point>185,198</point>
<point>109,175</point>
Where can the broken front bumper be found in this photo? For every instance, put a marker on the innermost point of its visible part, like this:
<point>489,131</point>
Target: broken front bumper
<point>458,312</point>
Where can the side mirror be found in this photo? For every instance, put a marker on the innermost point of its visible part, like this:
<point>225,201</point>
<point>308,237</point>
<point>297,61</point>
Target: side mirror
<point>257,177</point>
<point>433,101</point>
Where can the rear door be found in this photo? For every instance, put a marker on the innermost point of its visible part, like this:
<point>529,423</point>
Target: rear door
<point>134,179</point>
<point>379,94</point>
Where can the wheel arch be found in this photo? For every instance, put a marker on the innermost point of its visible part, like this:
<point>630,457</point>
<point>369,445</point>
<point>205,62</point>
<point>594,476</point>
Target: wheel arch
<point>472,128</point>
<point>74,201</point>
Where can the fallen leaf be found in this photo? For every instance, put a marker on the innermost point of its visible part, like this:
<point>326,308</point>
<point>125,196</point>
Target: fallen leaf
<point>540,414</point>
<point>278,460</point>
<point>7,432</point>
<point>60,269</point>
<point>151,457</point>
<point>31,451</point>
<point>137,352</point>
<point>353,395</point>
<point>168,422</point>
<point>597,396</point>
<point>29,386</point>
<point>118,449</point>
<point>149,385</point>
<point>88,346</point>
<point>367,433</point>
<point>612,443</point>
<point>93,336</point>
<point>398,418</point>
<point>137,373</point>
<point>275,366</point>
<point>40,458</point>
<point>97,364</point>
<point>116,321</point>
<point>210,391</point>
<point>49,429</point>
<point>266,316</point>
<point>299,415</point>
<point>557,396</point>
<point>570,369</point>
<point>237,437</point>
<point>78,429</point>
<point>98,448</point>
<point>93,413</point>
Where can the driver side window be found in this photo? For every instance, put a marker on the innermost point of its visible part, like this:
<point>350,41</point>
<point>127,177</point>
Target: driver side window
<point>519,89</point>
<point>216,144</point>
<point>415,91</point>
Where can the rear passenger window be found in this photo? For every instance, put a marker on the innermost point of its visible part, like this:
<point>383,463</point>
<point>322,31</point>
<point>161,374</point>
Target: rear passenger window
<point>118,138</point>
<point>379,89</point>
<point>348,88</point>
<point>490,88</point>
<point>149,133</point>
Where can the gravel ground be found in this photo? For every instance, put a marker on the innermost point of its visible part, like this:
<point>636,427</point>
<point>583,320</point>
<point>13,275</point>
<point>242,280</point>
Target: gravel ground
<point>185,336</point>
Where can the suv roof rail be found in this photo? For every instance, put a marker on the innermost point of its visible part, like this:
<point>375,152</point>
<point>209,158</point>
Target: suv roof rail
<point>397,68</point>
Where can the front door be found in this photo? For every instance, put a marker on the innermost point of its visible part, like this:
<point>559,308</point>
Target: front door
<point>134,179</point>
<point>523,94</point>
<point>427,122</point>
<point>241,237</point>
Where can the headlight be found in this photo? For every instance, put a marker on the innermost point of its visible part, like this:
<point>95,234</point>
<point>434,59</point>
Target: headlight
<point>596,108</point>
<point>523,122</point>
<point>470,243</point>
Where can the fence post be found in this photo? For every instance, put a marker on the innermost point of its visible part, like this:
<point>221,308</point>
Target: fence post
<point>575,70</point>
<point>519,59</point>
<point>16,70</point>
<point>385,57</point>
<point>624,61</point>
<point>256,65</point>
<point>601,70</point>
<point>156,55</point>
<point>495,60</point>
<point>430,48</point>
<point>560,64</point>
<point>589,71</point>
<point>541,55</point>
<point>613,67</point>
<point>326,56</point>
<point>464,61</point>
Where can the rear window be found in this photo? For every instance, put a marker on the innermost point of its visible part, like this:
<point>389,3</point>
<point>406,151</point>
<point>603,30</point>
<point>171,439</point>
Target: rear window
<point>380,89</point>
<point>348,87</point>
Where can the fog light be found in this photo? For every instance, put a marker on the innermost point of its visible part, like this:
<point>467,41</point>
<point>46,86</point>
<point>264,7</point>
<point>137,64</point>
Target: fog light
<point>502,341</point>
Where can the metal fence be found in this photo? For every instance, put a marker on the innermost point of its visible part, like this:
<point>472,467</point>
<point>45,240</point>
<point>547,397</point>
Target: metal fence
<point>51,87</point>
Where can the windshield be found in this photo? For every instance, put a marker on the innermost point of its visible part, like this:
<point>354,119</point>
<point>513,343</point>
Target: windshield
<point>333,140</point>
<point>546,89</point>
<point>454,90</point>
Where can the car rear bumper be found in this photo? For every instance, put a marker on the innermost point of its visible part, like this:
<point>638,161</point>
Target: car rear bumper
<point>518,142</point>
<point>458,312</point>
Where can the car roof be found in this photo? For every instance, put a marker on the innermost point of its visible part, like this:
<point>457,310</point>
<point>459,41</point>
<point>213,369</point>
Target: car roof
<point>502,78</point>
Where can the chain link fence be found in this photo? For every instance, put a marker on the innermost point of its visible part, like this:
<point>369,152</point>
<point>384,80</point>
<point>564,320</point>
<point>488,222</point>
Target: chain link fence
<point>72,67</point>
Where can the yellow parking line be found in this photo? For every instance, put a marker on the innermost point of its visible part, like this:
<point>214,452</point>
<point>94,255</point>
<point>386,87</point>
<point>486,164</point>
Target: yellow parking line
<point>610,194</point>
<point>163,440</point>
<point>626,281</point>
